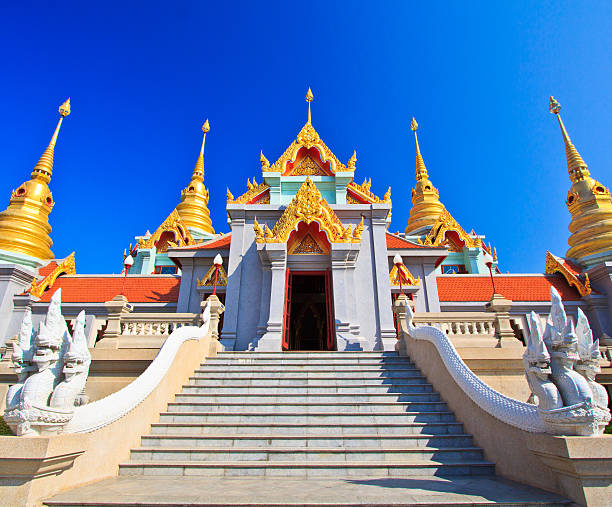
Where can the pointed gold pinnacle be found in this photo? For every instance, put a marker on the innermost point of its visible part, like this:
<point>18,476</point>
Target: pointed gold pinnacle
<point>414,125</point>
<point>206,126</point>
<point>64,109</point>
<point>309,97</point>
<point>554,107</point>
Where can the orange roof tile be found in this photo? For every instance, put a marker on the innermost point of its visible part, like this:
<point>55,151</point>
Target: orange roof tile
<point>98,289</point>
<point>395,242</point>
<point>47,269</point>
<point>514,287</point>
<point>221,244</point>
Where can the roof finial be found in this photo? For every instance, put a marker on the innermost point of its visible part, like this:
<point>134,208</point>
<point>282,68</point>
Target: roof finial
<point>309,97</point>
<point>44,168</point>
<point>421,170</point>
<point>265,163</point>
<point>198,170</point>
<point>352,161</point>
<point>576,167</point>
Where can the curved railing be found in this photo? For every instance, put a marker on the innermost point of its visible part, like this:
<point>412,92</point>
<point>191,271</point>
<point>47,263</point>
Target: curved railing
<point>508,410</point>
<point>96,415</point>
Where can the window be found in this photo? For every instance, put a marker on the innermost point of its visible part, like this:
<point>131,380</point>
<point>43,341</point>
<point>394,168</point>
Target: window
<point>165,270</point>
<point>453,269</point>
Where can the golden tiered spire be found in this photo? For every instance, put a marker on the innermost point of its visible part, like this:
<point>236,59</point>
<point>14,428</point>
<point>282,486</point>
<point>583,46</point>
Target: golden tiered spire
<point>426,205</point>
<point>590,204</point>
<point>193,208</point>
<point>24,225</point>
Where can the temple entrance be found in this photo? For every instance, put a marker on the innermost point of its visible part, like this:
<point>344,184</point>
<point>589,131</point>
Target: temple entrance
<point>309,322</point>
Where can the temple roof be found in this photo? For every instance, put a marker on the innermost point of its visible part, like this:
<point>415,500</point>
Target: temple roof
<point>222,243</point>
<point>397,243</point>
<point>99,289</point>
<point>514,287</point>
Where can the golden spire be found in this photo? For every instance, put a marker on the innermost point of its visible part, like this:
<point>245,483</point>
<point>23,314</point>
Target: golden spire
<point>576,167</point>
<point>309,97</point>
<point>421,170</point>
<point>24,225</point>
<point>193,208</point>
<point>590,205</point>
<point>44,168</point>
<point>426,205</point>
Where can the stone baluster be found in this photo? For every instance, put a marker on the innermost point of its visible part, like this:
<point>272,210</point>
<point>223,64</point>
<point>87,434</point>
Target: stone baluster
<point>117,308</point>
<point>500,306</point>
<point>216,309</point>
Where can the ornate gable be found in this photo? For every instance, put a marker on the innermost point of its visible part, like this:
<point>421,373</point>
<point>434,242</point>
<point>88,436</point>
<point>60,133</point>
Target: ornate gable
<point>208,280</point>
<point>308,206</point>
<point>174,225</point>
<point>66,267</point>
<point>407,277</point>
<point>361,194</point>
<point>556,264</point>
<point>445,224</point>
<point>256,194</point>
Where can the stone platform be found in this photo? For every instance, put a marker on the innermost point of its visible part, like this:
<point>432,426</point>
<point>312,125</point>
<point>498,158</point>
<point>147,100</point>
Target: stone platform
<point>260,492</point>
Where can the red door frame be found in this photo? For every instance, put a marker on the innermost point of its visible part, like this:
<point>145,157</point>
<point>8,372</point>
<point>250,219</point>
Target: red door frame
<point>329,304</point>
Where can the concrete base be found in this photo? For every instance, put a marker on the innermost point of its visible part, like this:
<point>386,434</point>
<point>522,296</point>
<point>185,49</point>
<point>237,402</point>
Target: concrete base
<point>272,341</point>
<point>582,466</point>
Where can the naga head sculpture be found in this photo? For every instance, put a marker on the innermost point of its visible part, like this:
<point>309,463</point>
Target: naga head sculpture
<point>536,353</point>
<point>588,349</point>
<point>77,355</point>
<point>22,350</point>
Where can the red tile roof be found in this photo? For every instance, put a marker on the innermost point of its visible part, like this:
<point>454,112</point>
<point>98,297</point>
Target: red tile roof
<point>220,244</point>
<point>98,289</point>
<point>47,269</point>
<point>395,242</point>
<point>514,287</point>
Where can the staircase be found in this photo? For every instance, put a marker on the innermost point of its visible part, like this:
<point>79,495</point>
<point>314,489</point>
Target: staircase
<point>357,417</point>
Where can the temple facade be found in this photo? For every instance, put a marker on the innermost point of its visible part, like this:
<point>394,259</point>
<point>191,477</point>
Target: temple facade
<point>308,262</point>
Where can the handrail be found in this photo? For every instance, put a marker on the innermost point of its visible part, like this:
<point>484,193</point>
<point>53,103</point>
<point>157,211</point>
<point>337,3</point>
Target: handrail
<point>100,413</point>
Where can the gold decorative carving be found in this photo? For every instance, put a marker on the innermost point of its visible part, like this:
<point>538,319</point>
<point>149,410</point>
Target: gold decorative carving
<point>407,276</point>
<point>66,267</point>
<point>208,280</point>
<point>230,197</point>
<point>363,191</point>
<point>556,265</point>
<point>446,223</point>
<point>308,167</point>
<point>254,189</point>
<point>307,206</point>
<point>174,224</point>
<point>265,164</point>
<point>308,246</point>
<point>350,165</point>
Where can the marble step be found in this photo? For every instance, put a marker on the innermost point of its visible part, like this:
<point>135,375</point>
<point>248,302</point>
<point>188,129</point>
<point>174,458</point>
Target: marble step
<point>313,387</point>
<point>308,355</point>
<point>303,469</point>
<point>191,394</point>
<point>307,418</point>
<point>383,362</point>
<point>301,381</point>
<point>337,440</point>
<point>274,454</point>
<point>305,368</point>
<point>355,374</point>
<point>248,406</point>
<point>305,429</point>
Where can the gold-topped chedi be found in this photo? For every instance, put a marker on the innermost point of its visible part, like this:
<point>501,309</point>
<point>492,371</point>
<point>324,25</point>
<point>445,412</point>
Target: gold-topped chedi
<point>24,225</point>
<point>426,206</point>
<point>590,204</point>
<point>193,208</point>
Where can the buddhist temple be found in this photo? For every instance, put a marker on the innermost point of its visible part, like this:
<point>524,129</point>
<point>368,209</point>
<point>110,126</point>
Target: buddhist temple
<point>307,264</point>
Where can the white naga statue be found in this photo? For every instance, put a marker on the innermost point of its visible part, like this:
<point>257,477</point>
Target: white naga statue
<point>560,364</point>
<point>52,369</point>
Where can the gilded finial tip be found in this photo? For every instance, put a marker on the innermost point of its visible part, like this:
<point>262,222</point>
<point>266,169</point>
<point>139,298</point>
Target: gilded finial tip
<point>309,95</point>
<point>206,126</point>
<point>64,109</point>
<point>554,106</point>
<point>414,125</point>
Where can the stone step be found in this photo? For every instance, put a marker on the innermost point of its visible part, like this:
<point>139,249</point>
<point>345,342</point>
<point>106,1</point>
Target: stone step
<point>318,441</point>
<point>304,429</point>
<point>308,355</point>
<point>248,406</point>
<point>322,389</point>
<point>355,375</point>
<point>302,381</point>
<point>307,418</point>
<point>309,469</point>
<point>384,363</point>
<point>297,454</point>
<point>190,394</point>
<point>330,370</point>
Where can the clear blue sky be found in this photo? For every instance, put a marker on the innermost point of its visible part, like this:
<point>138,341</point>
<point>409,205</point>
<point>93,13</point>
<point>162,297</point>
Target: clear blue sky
<point>476,75</point>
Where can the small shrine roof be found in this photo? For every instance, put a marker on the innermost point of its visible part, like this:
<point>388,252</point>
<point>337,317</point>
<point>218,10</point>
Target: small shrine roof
<point>515,287</point>
<point>397,243</point>
<point>99,289</point>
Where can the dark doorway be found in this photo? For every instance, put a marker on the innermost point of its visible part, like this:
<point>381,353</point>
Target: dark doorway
<point>308,312</point>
